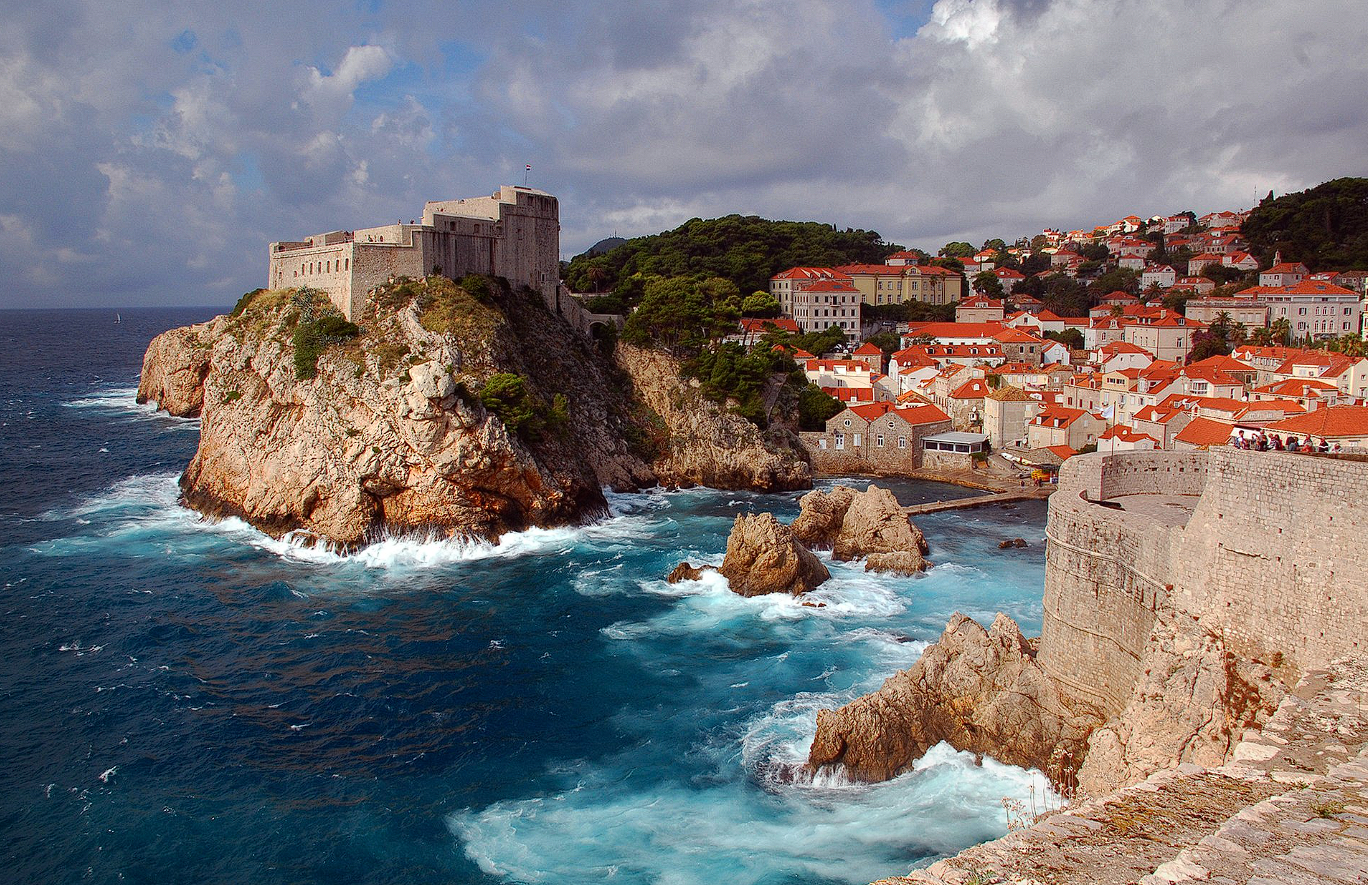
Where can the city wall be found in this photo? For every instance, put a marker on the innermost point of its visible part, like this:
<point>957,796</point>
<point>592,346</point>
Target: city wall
<point>1268,560</point>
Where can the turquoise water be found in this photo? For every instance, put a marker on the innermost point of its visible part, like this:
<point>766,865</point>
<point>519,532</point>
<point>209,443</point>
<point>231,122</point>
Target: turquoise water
<point>188,701</point>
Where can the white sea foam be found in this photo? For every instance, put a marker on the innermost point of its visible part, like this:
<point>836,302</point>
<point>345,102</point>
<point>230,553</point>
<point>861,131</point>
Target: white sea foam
<point>606,824</point>
<point>148,506</point>
<point>124,400</point>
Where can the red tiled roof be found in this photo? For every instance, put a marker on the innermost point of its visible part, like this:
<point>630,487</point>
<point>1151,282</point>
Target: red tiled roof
<point>868,349</point>
<point>1305,287</point>
<point>784,324</point>
<point>1295,387</point>
<point>1328,421</point>
<point>1205,432</point>
<point>955,330</point>
<point>808,273</point>
<point>1125,433</point>
<point>831,286</point>
<point>975,389</point>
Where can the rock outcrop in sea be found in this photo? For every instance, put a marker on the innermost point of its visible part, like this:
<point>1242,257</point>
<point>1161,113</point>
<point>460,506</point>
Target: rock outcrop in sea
<point>444,412</point>
<point>763,556</point>
<point>980,690</point>
<point>854,524</point>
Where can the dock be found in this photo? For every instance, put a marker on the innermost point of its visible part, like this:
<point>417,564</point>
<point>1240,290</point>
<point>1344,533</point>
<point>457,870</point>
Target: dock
<point>1029,494</point>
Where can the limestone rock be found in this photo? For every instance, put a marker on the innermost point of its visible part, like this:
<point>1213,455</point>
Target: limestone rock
<point>382,439</point>
<point>686,571</point>
<point>819,522</point>
<point>764,557</point>
<point>902,562</point>
<point>1192,703</point>
<point>702,443</point>
<point>980,690</point>
<point>855,524</point>
<point>174,368</point>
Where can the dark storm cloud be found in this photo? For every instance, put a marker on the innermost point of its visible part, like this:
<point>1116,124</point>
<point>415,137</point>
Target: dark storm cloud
<point>149,152</point>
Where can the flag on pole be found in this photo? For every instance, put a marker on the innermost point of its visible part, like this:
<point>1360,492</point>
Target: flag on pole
<point>529,167</point>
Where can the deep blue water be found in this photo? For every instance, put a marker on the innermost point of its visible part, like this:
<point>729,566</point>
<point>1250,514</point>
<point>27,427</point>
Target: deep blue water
<point>193,702</point>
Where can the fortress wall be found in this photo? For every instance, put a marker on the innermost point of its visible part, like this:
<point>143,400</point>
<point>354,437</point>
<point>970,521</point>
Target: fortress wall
<point>373,265</point>
<point>305,266</point>
<point>1106,573</point>
<point>1136,473</point>
<point>1272,558</point>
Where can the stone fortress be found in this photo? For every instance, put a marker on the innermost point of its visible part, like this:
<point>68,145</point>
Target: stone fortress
<point>1261,548</point>
<point>1258,554</point>
<point>514,234</point>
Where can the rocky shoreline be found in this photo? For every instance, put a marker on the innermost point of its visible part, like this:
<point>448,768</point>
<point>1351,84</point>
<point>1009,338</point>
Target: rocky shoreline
<point>396,429</point>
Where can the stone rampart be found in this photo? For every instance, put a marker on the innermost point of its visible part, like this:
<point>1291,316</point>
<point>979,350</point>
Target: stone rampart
<point>1106,573</point>
<point>1268,560</point>
<point>1272,557</point>
<point>1137,473</point>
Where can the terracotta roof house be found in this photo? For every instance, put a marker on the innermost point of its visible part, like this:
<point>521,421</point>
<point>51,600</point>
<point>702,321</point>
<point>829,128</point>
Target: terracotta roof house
<point>1202,433</point>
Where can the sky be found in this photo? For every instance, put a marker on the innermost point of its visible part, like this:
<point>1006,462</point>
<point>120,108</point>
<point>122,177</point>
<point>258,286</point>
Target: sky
<point>151,150</point>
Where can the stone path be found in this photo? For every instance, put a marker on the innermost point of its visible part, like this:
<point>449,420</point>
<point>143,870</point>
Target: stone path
<point>1028,494</point>
<point>1290,808</point>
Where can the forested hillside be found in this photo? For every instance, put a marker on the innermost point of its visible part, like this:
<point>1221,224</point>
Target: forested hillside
<point>1325,228</point>
<point>746,250</point>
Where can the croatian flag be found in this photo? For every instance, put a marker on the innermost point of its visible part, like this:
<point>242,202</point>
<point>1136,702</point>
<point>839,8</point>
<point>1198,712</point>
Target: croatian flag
<point>529,167</point>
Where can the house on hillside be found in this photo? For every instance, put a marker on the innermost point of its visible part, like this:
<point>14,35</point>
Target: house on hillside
<point>875,438</point>
<point>1006,412</point>
<point>1062,426</point>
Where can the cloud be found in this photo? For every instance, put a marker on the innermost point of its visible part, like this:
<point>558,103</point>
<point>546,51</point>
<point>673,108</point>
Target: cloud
<point>147,152</point>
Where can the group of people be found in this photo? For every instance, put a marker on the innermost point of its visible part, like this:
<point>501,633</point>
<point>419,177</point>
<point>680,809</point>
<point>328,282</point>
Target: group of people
<point>1271,442</point>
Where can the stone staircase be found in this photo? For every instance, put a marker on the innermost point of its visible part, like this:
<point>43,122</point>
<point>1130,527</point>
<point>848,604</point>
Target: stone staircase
<point>1291,807</point>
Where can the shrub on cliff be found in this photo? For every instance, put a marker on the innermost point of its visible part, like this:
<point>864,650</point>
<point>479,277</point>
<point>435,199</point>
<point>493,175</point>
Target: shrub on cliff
<point>312,337</point>
<point>523,412</point>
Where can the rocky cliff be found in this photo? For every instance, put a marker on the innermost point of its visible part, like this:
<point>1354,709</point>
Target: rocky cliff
<point>764,557</point>
<point>449,412</point>
<point>980,690</point>
<point>700,442</point>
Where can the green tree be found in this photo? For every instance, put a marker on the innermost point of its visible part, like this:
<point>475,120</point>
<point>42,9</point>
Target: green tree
<point>743,249</point>
<point>1070,337</point>
<point>888,342</point>
<point>1214,340</point>
<point>1035,263</point>
<point>505,394</point>
<point>957,250</point>
<point>995,244</point>
<point>1324,227</point>
<point>987,283</point>
<point>815,406</point>
<point>760,304</point>
<point>1176,300</point>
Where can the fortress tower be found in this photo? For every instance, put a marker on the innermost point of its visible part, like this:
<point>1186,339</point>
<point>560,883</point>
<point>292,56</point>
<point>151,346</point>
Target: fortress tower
<point>514,234</point>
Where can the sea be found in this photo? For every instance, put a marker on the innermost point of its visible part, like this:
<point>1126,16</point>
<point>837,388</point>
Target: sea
<point>190,701</point>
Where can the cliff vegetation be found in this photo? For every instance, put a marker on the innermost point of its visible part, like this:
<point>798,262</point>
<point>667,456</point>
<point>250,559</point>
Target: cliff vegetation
<point>1325,227</point>
<point>745,250</point>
